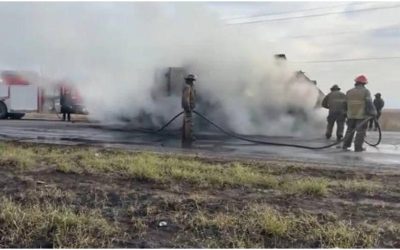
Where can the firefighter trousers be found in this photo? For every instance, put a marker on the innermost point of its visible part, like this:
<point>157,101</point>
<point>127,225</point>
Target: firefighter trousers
<point>67,116</point>
<point>187,129</point>
<point>373,122</point>
<point>339,119</point>
<point>361,131</point>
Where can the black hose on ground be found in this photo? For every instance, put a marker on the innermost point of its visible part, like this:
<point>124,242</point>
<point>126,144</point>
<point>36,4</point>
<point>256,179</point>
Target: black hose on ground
<point>154,131</point>
<point>286,144</point>
<point>169,122</point>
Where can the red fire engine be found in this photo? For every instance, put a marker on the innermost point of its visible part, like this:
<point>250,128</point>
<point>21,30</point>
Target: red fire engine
<point>21,92</point>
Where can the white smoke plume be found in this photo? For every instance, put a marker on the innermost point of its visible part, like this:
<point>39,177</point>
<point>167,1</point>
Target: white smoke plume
<point>113,51</point>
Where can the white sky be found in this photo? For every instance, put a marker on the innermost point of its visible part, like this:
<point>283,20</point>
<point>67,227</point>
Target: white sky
<point>362,34</point>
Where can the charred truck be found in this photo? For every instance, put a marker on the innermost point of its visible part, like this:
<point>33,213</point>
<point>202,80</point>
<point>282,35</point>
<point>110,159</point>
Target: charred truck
<point>173,83</point>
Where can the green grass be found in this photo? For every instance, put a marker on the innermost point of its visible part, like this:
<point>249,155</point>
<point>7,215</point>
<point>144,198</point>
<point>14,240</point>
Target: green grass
<point>53,214</point>
<point>154,168</point>
<point>308,186</point>
<point>170,169</point>
<point>272,222</point>
<point>17,157</point>
<point>44,225</point>
<point>360,186</point>
<point>266,227</point>
<point>344,235</point>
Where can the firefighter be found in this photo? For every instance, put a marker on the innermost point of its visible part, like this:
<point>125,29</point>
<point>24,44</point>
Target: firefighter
<point>379,103</point>
<point>335,101</point>
<point>66,104</point>
<point>188,104</point>
<point>359,108</point>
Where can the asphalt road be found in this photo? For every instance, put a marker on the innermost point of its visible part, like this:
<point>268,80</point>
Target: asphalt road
<point>386,156</point>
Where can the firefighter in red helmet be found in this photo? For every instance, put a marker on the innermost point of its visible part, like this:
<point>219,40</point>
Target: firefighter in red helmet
<point>359,108</point>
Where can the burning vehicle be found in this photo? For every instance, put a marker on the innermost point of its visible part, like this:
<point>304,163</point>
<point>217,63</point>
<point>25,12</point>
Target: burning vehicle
<point>172,83</point>
<point>167,92</point>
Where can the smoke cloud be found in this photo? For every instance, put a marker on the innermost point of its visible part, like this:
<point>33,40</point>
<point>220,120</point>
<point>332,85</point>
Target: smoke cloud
<point>117,54</point>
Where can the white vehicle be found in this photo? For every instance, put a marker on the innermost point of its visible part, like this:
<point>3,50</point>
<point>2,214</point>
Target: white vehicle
<point>18,96</point>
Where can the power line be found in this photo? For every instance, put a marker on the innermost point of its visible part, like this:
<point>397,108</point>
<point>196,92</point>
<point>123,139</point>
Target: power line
<point>324,34</point>
<point>354,32</point>
<point>288,12</point>
<point>316,15</point>
<point>351,59</point>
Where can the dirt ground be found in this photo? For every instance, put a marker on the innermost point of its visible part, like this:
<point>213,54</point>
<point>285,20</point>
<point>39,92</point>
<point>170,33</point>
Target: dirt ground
<point>335,208</point>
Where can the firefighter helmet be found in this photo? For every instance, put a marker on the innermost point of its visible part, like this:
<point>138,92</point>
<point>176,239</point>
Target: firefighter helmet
<point>190,77</point>
<point>335,87</point>
<point>361,79</point>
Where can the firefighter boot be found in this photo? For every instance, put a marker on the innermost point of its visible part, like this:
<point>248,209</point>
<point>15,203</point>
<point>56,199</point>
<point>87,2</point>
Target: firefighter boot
<point>358,141</point>
<point>351,125</point>
<point>348,139</point>
<point>340,127</point>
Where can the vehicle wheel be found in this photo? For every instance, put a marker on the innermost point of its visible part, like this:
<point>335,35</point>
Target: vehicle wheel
<point>3,110</point>
<point>16,116</point>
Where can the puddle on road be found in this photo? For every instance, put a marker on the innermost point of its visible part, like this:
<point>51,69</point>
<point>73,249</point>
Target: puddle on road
<point>385,149</point>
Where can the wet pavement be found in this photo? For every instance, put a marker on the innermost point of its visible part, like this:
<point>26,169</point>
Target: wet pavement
<point>386,155</point>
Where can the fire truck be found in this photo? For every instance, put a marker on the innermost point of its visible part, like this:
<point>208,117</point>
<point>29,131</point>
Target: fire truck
<point>22,92</point>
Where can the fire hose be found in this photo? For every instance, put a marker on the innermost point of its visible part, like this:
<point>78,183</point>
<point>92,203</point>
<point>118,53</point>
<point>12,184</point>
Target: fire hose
<point>231,134</point>
<point>240,137</point>
<point>155,131</point>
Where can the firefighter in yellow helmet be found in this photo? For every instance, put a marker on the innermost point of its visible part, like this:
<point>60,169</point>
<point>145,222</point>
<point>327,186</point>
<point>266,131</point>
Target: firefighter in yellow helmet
<point>335,101</point>
<point>188,104</point>
<point>359,108</point>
